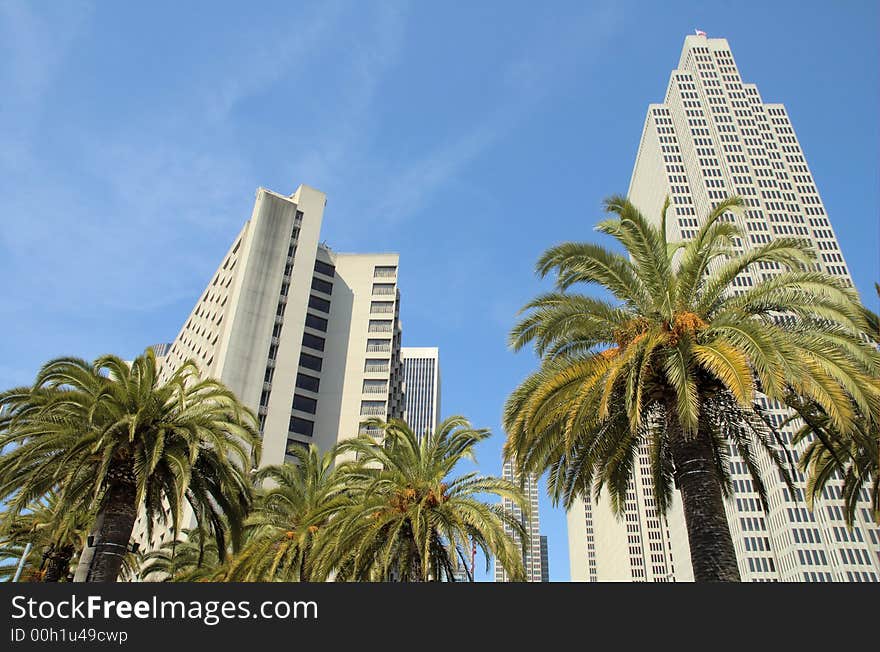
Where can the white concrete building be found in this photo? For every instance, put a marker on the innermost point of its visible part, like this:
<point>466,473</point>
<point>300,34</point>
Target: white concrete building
<point>532,556</point>
<point>421,387</point>
<point>714,136</point>
<point>306,337</point>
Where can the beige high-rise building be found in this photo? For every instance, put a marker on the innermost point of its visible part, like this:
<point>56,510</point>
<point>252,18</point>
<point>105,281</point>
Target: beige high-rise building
<point>307,337</point>
<point>714,136</point>
<point>532,556</point>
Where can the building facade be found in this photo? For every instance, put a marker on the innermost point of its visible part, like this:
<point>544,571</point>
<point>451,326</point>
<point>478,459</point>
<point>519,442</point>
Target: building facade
<point>545,560</point>
<point>421,382</point>
<point>714,136</point>
<point>306,337</point>
<point>532,556</point>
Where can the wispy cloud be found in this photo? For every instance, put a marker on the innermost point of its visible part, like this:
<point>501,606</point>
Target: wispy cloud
<point>123,222</point>
<point>163,177</point>
<point>33,45</point>
<point>32,48</point>
<point>284,52</point>
<point>408,189</point>
<point>337,154</point>
<point>542,68</point>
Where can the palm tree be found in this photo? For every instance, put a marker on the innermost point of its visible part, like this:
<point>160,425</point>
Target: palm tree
<point>671,365</point>
<point>110,438</point>
<point>830,454</point>
<point>11,551</point>
<point>406,518</point>
<point>192,558</point>
<point>289,516</point>
<point>55,534</point>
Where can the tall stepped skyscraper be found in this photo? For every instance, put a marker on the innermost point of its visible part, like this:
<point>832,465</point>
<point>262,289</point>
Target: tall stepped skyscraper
<point>532,556</point>
<point>421,382</point>
<point>713,136</point>
<point>306,337</point>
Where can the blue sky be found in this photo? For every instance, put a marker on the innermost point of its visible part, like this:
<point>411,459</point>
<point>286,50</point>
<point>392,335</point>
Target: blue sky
<point>468,137</point>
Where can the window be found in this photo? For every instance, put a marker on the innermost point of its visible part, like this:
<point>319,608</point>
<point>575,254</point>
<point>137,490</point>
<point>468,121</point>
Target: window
<point>300,426</point>
<point>310,362</point>
<point>373,365</point>
<point>313,341</point>
<point>325,269</point>
<point>322,286</point>
<point>380,326</point>
<point>372,408</point>
<point>382,307</point>
<point>383,288</point>
<point>374,346</point>
<point>384,271</point>
<point>305,404</point>
<point>304,381</point>
<point>375,387</point>
<point>318,323</point>
<point>319,304</point>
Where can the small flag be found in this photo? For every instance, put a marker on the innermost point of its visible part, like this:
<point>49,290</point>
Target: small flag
<point>700,32</point>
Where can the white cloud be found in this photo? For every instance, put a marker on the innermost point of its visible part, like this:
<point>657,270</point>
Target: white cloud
<point>546,63</point>
<point>156,180</point>
<point>33,47</point>
<point>275,51</point>
<point>339,149</point>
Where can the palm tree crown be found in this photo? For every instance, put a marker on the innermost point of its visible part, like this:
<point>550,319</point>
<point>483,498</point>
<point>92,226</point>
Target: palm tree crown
<point>110,438</point>
<point>290,514</point>
<point>56,536</point>
<point>671,366</point>
<point>407,519</point>
<point>191,558</point>
<point>831,454</point>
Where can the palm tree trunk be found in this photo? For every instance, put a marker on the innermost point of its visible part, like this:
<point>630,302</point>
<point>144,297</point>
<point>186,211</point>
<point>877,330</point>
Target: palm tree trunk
<point>414,560</point>
<point>713,556</point>
<point>58,563</point>
<point>84,563</point>
<point>415,568</point>
<point>119,513</point>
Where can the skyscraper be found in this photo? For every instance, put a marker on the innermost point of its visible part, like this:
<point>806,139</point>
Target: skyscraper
<point>713,136</point>
<point>532,555</point>
<point>306,337</point>
<point>545,560</point>
<point>161,350</point>
<point>421,381</point>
